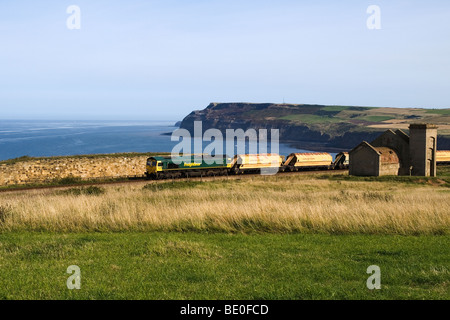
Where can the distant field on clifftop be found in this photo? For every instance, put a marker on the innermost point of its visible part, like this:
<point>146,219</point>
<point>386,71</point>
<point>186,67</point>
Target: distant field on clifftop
<point>319,123</point>
<point>371,117</point>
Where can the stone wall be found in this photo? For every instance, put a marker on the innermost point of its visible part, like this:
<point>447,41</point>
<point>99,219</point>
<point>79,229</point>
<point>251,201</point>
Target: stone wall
<point>399,142</point>
<point>364,161</point>
<point>45,170</point>
<point>389,169</point>
<point>423,149</point>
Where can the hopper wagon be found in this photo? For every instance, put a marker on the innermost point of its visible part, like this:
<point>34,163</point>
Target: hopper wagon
<point>341,161</point>
<point>242,163</point>
<point>443,157</point>
<point>309,160</point>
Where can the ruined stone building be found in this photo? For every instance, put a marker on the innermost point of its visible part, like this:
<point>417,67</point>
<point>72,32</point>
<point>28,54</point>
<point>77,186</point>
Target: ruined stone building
<point>396,153</point>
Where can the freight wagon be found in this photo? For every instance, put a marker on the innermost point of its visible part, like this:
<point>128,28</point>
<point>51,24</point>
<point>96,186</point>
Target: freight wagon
<point>341,161</point>
<point>310,160</point>
<point>255,162</point>
<point>443,157</point>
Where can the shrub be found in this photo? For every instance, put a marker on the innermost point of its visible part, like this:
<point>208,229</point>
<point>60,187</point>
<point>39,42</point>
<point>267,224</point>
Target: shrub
<point>5,211</point>
<point>67,181</point>
<point>173,185</point>
<point>90,191</point>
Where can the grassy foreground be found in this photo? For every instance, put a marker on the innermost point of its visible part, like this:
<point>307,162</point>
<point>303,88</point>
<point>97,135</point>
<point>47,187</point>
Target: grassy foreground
<point>174,265</point>
<point>282,237</point>
<point>336,204</point>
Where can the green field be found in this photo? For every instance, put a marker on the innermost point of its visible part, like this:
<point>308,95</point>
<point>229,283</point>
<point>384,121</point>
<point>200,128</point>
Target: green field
<point>378,118</point>
<point>281,237</point>
<point>439,111</point>
<point>311,118</point>
<point>222,266</point>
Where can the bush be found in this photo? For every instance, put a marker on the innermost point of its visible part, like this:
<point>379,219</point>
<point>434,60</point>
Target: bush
<point>67,181</point>
<point>5,211</point>
<point>16,160</point>
<point>172,185</point>
<point>90,191</point>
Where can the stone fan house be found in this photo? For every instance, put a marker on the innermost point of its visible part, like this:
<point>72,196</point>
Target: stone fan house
<point>396,153</point>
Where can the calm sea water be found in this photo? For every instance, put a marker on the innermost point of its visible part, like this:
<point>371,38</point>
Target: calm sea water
<point>62,138</point>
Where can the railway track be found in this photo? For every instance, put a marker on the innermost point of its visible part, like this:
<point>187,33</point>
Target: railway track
<point>143,179</point>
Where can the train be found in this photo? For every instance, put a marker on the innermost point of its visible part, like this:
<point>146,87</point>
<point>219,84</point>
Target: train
<point>442,157</point>
<point>163,167</point>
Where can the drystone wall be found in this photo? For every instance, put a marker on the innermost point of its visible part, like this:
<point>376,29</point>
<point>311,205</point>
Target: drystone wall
<point>50,169</point>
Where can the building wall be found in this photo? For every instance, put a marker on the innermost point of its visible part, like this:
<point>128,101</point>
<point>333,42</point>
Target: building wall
<point>389,161</point>
<point>389,169</point>
<point>36,171</point>
<point>397,143</point>
<point>423,142</point>
<point>364,162</point>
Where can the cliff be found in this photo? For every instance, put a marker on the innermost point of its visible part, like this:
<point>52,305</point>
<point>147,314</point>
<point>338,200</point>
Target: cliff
<point>318,127</point>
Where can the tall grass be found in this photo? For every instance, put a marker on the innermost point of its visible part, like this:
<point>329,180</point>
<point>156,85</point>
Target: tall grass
<point>273,204</point>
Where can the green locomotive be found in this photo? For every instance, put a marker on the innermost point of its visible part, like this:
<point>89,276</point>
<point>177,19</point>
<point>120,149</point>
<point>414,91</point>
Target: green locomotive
<point>164,167</point>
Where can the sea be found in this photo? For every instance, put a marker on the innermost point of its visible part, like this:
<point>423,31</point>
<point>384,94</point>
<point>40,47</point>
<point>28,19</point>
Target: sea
<point>42,138</point>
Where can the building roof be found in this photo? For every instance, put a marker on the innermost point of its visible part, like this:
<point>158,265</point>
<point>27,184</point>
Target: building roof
<point>363,144</point>
<point>387,155</point>
<point>422,126</point>
<point>402,134</point>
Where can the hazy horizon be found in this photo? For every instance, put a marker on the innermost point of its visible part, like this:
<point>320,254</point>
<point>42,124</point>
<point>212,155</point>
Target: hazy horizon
<point>41,117</point>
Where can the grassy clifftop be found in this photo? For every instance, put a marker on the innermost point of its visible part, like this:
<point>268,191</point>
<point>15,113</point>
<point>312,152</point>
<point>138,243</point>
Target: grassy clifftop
<point>331,126</point>
<point>278,237</point>
<point>331,204</point>
<point>86,156</point>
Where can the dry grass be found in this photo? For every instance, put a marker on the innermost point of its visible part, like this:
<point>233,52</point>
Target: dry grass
<point>271,204</point>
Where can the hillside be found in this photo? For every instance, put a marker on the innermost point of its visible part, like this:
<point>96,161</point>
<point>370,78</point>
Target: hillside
<point>319,127</point>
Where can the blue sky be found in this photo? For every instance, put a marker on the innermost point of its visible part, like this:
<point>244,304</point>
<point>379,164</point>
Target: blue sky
<point>159,60</point>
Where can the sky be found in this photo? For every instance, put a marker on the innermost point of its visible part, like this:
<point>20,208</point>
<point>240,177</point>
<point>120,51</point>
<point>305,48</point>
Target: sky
<point>159,60</point>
